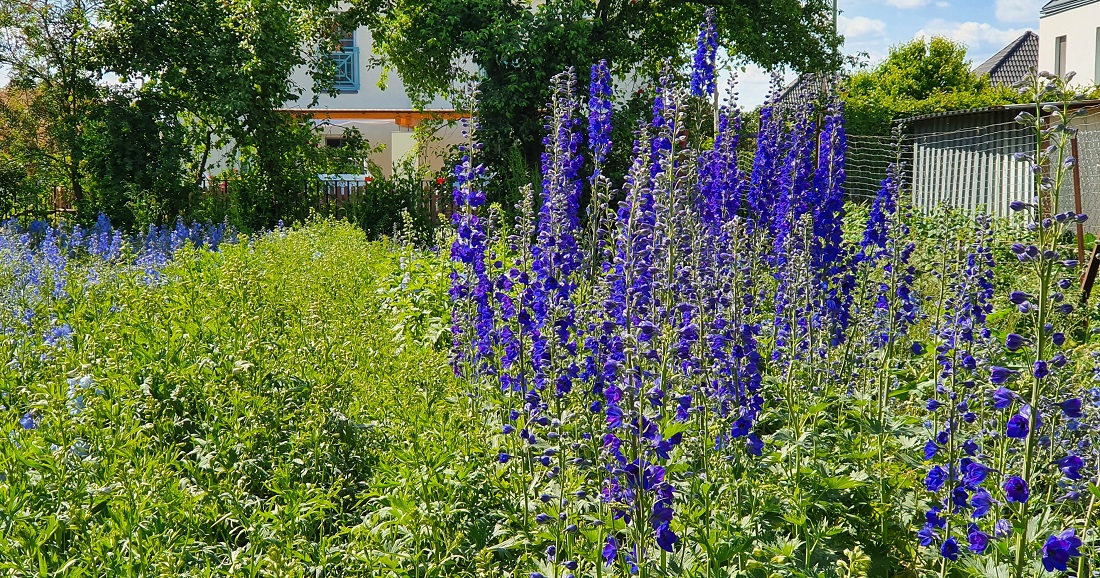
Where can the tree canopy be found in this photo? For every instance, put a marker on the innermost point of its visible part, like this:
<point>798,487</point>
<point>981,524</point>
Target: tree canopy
<point>917,77</point>
<point>54,73</point>
<point>125,101</point>
<point>517,46</point>
<point>229,65</point>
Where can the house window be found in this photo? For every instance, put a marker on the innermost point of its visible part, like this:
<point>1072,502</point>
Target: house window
<point>335,142</point>
<point>1060,55</point>
<point>1096,72</point>
<point>346,59</point>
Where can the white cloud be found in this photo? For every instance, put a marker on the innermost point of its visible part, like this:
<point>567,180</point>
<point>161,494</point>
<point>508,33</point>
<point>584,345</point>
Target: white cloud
<point>908,4</point>
<point>1018,10</point>
<point>860,27</point>
<point>975,35</point>
<point>943,4</point>
<point>862,35</point>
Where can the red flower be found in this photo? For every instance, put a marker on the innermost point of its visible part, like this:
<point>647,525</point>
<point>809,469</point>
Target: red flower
<point>439,180</point>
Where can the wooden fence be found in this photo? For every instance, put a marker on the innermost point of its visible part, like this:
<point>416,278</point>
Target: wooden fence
<point>432,201</point>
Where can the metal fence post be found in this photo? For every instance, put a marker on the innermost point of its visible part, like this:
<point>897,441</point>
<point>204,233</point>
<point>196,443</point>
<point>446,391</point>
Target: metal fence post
<point>1077,204</point>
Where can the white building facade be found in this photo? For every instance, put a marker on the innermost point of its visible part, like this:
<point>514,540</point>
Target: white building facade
<point>384,117</point>
<point>1069,33</point>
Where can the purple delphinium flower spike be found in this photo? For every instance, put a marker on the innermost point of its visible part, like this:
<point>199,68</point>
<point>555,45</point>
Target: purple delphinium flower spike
<point>703,81</point>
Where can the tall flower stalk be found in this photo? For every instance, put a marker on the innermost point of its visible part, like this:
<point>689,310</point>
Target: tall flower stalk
<point>1050,163</point>
<point>693,336</point>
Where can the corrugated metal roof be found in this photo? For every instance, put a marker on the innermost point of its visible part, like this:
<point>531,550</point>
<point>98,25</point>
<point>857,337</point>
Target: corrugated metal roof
<point>1009,66</point>
<point>1056,6</point>
<point>1003,107</point>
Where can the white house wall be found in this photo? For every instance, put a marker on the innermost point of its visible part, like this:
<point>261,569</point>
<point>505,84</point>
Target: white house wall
<point>1079,26</point>
<point>369,96</point>
<point>377,131</point>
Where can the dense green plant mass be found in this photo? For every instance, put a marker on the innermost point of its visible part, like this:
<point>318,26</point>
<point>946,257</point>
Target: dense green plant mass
<point>121,106</point>
<point>48,46</point>
<point>715,373</point>
<point>277,408</point>
<point>917,77</point>
<point>283,407</point>
<point>402,202</point>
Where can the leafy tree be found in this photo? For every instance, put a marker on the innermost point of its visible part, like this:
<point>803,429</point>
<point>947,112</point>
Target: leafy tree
<point>517,46</point>
<point>192,78</point>
<point>227,66</point>
<point>136,159</point>
<point>54,85</point>
<point>917,77</point>
<point>24,150</point>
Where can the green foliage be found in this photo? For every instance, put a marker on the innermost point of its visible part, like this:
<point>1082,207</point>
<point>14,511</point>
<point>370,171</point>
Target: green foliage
<point>381,205</point>
<point>627,117</point>
<point>917,77</point>
<point>228,66</point>
<point>285,408</point>
<point>26,170</point>
<point>293,435</point>
<point>18,187</point>
<point>136,156</point>
<point>277,171</point>
<point>195,78</point>
<point>54,86</point>
<point>416,290</point>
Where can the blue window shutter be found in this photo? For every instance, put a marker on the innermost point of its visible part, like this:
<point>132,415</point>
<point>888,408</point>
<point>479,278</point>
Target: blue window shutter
<point>347,65</point>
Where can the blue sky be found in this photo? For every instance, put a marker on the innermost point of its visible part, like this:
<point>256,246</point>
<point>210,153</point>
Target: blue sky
<point>872,26</point>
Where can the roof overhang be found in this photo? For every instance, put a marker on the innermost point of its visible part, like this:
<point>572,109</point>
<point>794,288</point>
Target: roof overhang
<point>405,118</point>
<point>1058,6</point>
<point>1029,106</point>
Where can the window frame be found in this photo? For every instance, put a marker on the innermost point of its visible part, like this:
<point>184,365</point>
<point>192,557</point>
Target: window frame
<point>1060,52</point>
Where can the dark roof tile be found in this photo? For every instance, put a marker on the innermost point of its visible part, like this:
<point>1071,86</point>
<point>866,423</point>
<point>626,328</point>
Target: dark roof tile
<point>808,88</point>
<point>1013,62</point>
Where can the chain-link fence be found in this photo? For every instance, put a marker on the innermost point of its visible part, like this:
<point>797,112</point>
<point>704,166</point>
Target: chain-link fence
<point>865,164</point>
<point>1088,166</point>
<point>966,160</point>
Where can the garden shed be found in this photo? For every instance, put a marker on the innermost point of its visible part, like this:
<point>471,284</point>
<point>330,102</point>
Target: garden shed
<point>964,159</point>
